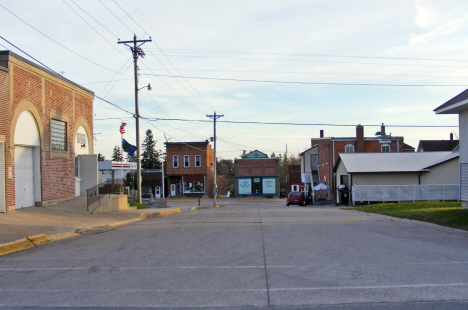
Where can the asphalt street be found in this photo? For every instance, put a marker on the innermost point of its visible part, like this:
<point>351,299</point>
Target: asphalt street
<point>246,255</point>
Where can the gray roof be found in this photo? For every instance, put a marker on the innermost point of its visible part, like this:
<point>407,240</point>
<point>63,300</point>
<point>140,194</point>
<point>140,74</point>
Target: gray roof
<point>454,105</point>
<point>393,162</point>
<point>437,145</point>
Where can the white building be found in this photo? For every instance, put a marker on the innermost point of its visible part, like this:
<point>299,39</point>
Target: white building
<point>399,176</point>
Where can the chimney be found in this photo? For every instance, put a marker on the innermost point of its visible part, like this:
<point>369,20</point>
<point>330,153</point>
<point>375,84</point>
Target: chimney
<point>451,136</point>
<point>382,131</point>
<point>321,133</point>
<point>359,138</point>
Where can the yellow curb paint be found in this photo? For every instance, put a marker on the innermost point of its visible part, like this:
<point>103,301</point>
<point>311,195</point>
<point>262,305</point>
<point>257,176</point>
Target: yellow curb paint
<point>38,239</point>
<point>14,246</point>
<point>142,216</point>
<point>64,235</point>
<point>124,222</point>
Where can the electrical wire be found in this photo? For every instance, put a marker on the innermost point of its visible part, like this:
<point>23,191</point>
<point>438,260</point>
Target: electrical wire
<point>314,83</point>
<point>61,45</point>
<point>301,124</point>
<point>113,45</point>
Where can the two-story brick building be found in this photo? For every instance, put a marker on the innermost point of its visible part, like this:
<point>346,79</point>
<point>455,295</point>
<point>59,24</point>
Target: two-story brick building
<point>257,175</point>
<point>190,169</point>
<point>328,149</point>
<point>45,121</point>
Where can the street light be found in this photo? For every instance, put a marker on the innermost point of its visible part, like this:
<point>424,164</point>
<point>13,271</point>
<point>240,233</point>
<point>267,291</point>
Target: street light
<point>147,86</point>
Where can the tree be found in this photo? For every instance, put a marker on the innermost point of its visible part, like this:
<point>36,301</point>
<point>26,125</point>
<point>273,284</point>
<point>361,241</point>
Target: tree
<point>133,158</point>
<point>130,180</point>
<point>150,157</point>
<point>100,157</point>
<point>225,174</point>
<point>117,154</point>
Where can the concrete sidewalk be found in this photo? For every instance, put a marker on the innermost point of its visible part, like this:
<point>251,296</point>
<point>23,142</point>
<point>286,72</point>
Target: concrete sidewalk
<point>65,220</point>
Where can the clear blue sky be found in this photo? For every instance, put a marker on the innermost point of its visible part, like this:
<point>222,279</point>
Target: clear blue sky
<point>315,62</point>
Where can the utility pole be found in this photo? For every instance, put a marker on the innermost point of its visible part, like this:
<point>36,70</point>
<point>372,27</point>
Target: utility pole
<point>137,51</point>
<point>215,190</point>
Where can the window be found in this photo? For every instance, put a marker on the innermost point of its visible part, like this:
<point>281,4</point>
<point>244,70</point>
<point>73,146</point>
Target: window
<point>194,187</point>
<point>58,135</point>
<point>186,161</point>
<point>175,161</point>
<point>197,161</point>
<point>385,148</point>
<point>349,148</point>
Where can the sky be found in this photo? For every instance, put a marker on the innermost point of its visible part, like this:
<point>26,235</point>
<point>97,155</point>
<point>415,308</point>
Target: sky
<point>330,65</point>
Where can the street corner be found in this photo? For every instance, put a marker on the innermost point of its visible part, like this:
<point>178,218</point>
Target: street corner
<point>14,246</point>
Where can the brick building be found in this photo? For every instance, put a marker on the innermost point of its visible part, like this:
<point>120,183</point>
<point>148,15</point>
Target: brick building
<point>190,169</point>
<point>45,122</point>
<point>328,149</point>
<point>257,175</point>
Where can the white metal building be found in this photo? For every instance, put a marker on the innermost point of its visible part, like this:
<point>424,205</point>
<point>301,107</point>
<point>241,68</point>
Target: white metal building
<point>368,172</point>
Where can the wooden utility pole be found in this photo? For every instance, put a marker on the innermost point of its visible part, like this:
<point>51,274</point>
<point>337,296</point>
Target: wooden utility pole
<point>215,190</point>
<point>137,51</point>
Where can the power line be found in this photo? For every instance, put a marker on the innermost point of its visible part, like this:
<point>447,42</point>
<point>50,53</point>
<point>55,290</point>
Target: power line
<point>318,55</point>
<point>56,41</point>
<point>113,46</point>
<point>115,16</point>
<point>302,124</point>
<point>312,83</point>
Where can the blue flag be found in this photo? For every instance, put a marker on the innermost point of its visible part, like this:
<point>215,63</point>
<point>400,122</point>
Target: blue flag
<point>127,147</point>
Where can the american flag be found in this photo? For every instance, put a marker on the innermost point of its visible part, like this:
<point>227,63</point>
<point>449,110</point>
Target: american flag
<point>122,129</point>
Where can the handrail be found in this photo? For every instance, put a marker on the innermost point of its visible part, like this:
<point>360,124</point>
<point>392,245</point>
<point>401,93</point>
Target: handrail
<point>110,186</point>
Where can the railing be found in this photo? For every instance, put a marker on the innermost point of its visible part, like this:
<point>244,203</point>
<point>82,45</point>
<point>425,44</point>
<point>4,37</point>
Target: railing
<point>398,193</point>
<point>110,186</point>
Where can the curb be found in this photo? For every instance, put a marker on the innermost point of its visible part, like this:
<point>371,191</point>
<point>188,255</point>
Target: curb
<point>32,241</point>
<point>198,208</point>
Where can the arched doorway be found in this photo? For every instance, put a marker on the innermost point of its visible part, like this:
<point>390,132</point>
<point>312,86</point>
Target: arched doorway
<point>27,161</point>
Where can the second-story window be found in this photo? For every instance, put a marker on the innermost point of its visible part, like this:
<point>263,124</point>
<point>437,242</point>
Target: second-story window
<point>197,161</point>
<point>186,161</point>
<point>385,148</point>
<point>175,161</point>
<point>349,148</point>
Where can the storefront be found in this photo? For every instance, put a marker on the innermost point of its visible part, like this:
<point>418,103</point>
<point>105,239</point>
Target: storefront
<point>257,175</point>
<point>257,186</point>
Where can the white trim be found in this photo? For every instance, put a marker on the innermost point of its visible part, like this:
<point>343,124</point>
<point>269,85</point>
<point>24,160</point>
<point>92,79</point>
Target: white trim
<point>385,146</point>
<point>199,161</point>
<point>186,162</point>
<point>349,145</point>
<point>175,160</point>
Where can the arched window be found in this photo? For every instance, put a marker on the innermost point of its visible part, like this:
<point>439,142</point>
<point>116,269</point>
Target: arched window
<point>349,148</point>
<point>385,148</point>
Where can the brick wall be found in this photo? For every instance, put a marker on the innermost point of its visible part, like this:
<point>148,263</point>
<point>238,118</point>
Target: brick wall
<point>5,119</point>
<point>204,150</point>
<point>47,94</point>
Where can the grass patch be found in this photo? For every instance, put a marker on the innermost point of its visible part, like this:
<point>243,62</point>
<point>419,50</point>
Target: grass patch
<point>136,204</point>
<point>448,214</point>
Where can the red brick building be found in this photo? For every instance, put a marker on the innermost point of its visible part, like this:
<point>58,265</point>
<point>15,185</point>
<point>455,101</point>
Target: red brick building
<point>257,175</point>
<point>190,169</point>
<point>330,147</point>
<point>45,121</point>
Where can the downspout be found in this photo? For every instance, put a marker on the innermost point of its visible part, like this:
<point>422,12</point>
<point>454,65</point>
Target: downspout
<point>332,174</point>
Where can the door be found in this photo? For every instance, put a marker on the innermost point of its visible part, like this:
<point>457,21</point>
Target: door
<point>24,177</point>
<point>173,190</point>
<point>158,192</point>
<point>257,187</point>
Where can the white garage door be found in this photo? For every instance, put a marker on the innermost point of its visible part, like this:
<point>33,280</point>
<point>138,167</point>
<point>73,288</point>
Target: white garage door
<point>24,177</point>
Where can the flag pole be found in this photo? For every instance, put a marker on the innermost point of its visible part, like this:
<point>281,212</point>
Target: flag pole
<point>121,164</point>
